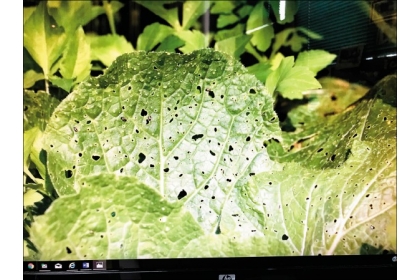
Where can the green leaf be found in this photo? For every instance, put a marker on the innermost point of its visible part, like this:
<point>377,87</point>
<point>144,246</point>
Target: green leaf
<point>280,39</point>
<point>30,78</point>
<point>152,35</point>
<point>191,11</point>
<point>31,197</point>
<point>37,109</point>
<point>291,80</point>
<point>279,74</point>
<point>332,211</point>
<point>260,70</point>
<point>234,46</point>
<point>170,44</point>
<point>326,140</point>
<point>224,20</point>
<point>297,80</point>
<point>44,40</point>
<point>73,14</point>
<point>244,11</point>
<point>259,25</point>
<point>27,12</point>
<point>238,30</point>
<point>29,137</point>
<point>124,219</point>
<point>223,7</point>
<point>169,15</point>
<point>164,129</point>
<point>314,60</point>
<point>62,83</point>
<point>107,48</point>
<point>194,40</point>
<point>75,64</point>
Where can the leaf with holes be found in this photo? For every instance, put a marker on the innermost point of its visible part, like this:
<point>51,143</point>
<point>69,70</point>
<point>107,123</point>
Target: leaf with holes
<point>189,127</point>
<point>327,142</point>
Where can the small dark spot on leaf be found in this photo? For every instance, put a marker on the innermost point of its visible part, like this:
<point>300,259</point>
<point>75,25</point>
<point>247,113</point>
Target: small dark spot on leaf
<point>68,173</point>
<point>197,136</point>
<point>143,112</point>
<point>212,153</point>
<point>121,170</point>
<point>367,195</point>
<point>213,197</point>
<point>252,91</point>
<point>248,138</point>
<point>284,237</point>
<point>166,169</point>
<point>68,250</point>
<point>199,88</point>
<point>152,165</point>
<point>333,98</point>
<point>229,180</point>
<point>385,118</point>
<point>75,129</point>
<point>206,187</point>
<point>320,150</point>
<point>211,93</point>
<point>142,157</point>
<point>123,119</point>
<point>251,174</point>
<point>230,148</point>
<point>333,157</point>
<point>176,158</point>
<point>182,194</point>
<point>113,214</point>
<point>80,154</point>
<point>95,157</point>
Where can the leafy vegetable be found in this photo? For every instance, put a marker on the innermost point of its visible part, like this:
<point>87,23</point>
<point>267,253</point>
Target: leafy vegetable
<point>164,156</point>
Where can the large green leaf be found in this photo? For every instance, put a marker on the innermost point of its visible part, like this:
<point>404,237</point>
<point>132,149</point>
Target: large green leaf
<point>194,40</point>
<point>44,40</point>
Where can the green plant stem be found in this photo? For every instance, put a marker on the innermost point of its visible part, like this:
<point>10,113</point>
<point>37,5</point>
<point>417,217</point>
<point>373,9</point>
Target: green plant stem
<point>250,49</point>
<point>110,16</point>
